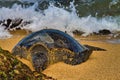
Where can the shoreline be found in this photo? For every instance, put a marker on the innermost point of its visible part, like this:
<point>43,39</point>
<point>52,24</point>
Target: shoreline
<point>102,65</point>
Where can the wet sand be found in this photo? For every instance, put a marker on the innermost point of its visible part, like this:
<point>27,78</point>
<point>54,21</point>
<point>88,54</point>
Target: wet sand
<point>102,65</point>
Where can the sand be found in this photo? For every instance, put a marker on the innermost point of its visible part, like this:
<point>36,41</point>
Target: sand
<point>102,65</point>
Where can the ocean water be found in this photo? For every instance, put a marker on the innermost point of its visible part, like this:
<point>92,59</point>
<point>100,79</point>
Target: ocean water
<point>83,15</point>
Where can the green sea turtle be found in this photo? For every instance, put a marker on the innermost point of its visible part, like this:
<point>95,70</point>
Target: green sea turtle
<point>49,46</point>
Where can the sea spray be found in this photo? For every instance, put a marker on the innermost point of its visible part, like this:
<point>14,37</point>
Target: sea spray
<point>4,34</point>
<point>57,18</point>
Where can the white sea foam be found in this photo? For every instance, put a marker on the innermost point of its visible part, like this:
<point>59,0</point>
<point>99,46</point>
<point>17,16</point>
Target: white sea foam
<point>4,34</point>
<point>57,18</point>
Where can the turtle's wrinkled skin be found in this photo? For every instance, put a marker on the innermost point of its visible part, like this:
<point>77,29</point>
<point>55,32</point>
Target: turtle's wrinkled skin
<point>13,69</point>
<point>49,46</point>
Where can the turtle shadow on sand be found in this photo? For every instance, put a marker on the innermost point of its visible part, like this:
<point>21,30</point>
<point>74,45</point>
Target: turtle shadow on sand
<point>49,46</point>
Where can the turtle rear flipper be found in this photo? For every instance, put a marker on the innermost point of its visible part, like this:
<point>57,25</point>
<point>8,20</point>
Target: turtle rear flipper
<point>61,54</point>
<point>80,57</point>
<point>94,48</point>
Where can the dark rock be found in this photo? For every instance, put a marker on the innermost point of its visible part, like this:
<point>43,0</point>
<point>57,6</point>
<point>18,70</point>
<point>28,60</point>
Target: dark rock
<point>14,24</point>
<point>104,32</point>
<point>78,32</point>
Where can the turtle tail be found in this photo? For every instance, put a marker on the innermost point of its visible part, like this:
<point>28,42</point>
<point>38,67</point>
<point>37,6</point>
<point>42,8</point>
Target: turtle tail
<point>94,48</point>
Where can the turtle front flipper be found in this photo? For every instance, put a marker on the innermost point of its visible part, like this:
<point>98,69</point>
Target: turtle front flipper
<point>61,54</point>
<point>39,56</point>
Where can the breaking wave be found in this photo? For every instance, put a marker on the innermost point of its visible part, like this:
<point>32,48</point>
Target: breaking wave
<point>57,18</point>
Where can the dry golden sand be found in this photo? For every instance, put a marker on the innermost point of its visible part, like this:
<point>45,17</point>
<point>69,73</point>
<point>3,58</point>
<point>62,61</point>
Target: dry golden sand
<point>102,65</point>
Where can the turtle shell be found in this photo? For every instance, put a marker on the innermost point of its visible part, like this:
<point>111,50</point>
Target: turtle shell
<point>48,46</point>
<point>52,39</point>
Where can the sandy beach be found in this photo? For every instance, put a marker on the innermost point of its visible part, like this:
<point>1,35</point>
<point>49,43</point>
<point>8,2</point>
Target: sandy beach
<point>102,65</point>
